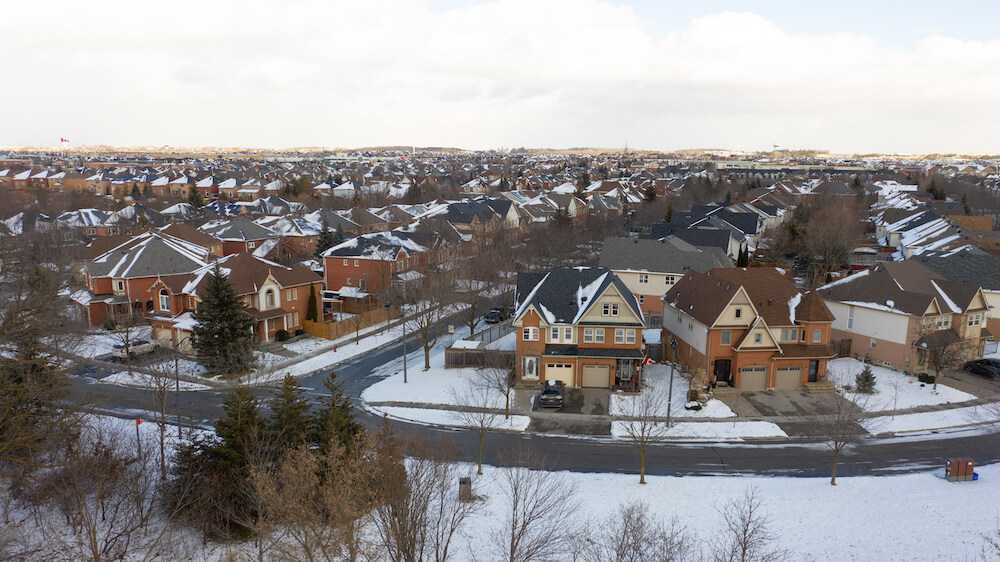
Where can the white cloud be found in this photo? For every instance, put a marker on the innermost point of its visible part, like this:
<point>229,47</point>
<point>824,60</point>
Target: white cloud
<point>503,73</point>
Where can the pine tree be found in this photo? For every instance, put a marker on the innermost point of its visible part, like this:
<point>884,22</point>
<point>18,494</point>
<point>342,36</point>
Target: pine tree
<point>325,240</point>
<point>650,194</point>
<point>965,203</point>
<point>729,197</point>
<point>223,337</point>
<point>743,260</point>
<point>238,427</point>
<point>335,422</point>
<point>312,311</point>
<point>864,381</point>
<point>338,236</point>
<point>290,413</point>
<point>194,198</point>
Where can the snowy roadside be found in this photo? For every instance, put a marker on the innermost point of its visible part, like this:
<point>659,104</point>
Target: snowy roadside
<point>429,416</point>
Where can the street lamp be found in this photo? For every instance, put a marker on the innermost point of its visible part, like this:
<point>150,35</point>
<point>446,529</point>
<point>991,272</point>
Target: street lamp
<point>673,370</point>
<point>177,378</point>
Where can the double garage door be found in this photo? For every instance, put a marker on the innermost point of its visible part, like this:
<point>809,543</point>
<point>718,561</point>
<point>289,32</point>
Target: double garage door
<point>788,378</point>
<point>753,378</point>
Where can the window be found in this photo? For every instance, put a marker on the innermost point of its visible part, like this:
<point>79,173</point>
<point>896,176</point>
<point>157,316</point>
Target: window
<point>348,280</point>
<point>295,293</point>
<point>269,298</point>
<point>669,280</point>
<point>609,309</point>
<point>190,302</point>
<point>850,317</point>
<point>362,284</point>
<point>619,335</point>
<point>252,245</point>
<point>288,294</point>
<point>598,335</point>
<point>164,300</point>
<point>120,285</point>
<point>642,299</point>
<point>295,318</point>
<point>529,334</point>
<point>554,334</point>
<point>568,334</point>
<point>356,263</point>
<point>629,336</point>
<point>588,335</point>
<point>872,343</point>
<point>345,263</point>
<point>817,336</point>
<point>727,337</point>
<point>739,313</point>
<point>756,338</point>
<point>973,320</point>
<point>644,278</point>
<point>270,323</point>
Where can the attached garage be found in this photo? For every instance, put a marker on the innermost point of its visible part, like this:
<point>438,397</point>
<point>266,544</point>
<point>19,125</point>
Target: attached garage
<point>788,378</point>
<point>560,372</point>
<point>753,378</point>
<point>597,376</point>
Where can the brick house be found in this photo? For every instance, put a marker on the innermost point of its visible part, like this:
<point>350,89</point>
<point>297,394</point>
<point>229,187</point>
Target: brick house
<point>579,325</point>
<point>238,234</point>
<point>371,263</point>
<point>751,329</point>
<point>276,296</point>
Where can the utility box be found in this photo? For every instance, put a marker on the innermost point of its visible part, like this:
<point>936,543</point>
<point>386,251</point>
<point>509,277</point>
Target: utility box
<point>465,489</point>
<point>959,469</point>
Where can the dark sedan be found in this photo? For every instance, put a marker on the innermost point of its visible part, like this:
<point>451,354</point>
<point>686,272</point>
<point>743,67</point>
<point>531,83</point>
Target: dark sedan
<point>989,368</point>
<point>552,396</point>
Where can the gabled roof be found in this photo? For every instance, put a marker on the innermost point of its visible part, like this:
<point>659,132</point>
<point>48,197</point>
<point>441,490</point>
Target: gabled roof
<point>906,287</point>
<point>565,294</point>
<point>248,274</point>
<point>190,234</point>
<point>982,270</point>
<point>669,255</point>
<point>378,245</point>
<point>149,254</point>
<point>238,228</point>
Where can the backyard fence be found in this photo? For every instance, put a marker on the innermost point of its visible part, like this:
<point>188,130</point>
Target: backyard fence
<point>457,358</point>
<point>341,328</point>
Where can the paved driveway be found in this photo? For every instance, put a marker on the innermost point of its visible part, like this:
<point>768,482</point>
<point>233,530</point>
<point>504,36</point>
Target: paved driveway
<point>780,403</point>
<point>584,412</point>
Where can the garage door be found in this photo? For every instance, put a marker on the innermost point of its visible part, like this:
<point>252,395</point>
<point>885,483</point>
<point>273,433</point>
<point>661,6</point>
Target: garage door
<point>559,371</point>
<point>788,378</point>
<point>753,378</point>
<point>598,376</point>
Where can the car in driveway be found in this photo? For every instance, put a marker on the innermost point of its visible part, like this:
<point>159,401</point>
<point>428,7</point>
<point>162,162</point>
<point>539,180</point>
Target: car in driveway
<point>552,395</point>
<point>989,368</point>
<point>135,348</point>
<point>495,315</point>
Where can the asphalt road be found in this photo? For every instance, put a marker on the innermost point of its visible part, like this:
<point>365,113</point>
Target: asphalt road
<point>785,457</point>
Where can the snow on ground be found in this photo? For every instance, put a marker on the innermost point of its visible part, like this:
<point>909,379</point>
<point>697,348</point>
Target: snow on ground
<point>434,386</point>
<point>142,380</point>
<point>893,389</point>
<point>307,345</point>
<point>448,417</point>
<point>936,420</point>
<point>713,431</point>
<point>187,367</point>
<point>658,377</point>
<point>506,343</point>
<point>907,517</point>
<point>101,342</point>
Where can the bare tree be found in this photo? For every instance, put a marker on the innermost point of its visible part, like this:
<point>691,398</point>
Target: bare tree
<point>633,534</point>
<point>746,534</point>
<point>639,422</point>
<point>498,375</point>
<point>943,355</point>
<point>476,410</point>
<point>845,425</point>
<point>427,305</point>
<point>160,383</point>
<point>538,512</point>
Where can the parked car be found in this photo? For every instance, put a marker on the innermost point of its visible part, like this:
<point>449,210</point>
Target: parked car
<point>135,348</point>
<point>989,368</point>
<point>552,395</point>
<point>495,315</point>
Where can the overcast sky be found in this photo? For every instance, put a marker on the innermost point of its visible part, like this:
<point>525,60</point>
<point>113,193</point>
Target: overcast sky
<point>854,77</point>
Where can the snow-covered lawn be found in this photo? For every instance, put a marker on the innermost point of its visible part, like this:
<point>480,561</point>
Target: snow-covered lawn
<point>448,417</point>
<point>721,431</point>
<point>658,377</point>
<point>187,367</point>
<point>142,380</point>
<point>506,343</point>
<point>893,389</point>
<point>101,342</point>
<point>435,386</point>
<point>307,345</point>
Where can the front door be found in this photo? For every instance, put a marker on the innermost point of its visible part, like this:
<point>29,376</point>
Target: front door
<point>813,370</point>
<point>723,370</point>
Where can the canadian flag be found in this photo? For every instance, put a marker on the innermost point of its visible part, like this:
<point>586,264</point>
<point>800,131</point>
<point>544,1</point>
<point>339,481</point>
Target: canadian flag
<point>63,140</point>
<point>648,361</point>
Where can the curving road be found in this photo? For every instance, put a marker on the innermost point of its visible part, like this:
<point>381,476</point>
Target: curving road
<point>784,457</point>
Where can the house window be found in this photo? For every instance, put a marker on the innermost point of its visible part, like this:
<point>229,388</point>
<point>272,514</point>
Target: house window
<point>362,284</point>
<point>251,245</point>
<point>295,318</point>
<point>295,293</point>
<point>817,336</point>
<point>609,309</point>
<point>598,335</point>
<point>270,323</point>
<point>727,337</point>
<point>345,263</point>
<point>756,338</point>
<point>288,294</point>
<point>356,263</point>
<point>190,302</point>
<point>120,285</point>
<point>554,334</point>
<point>872,343</point>
<point>529,334</point>
<point>588,335</point>
<point>164,300</point>
<point>850,317</point>
<point>269,299</point>
<point>973,320</point>
<point>619,335</point>
<point>642,299</point>
<point>669,280</point>
<point>739,312</point>
<point>644,278</point>
<point>630,336</point>
<point>568,334</point>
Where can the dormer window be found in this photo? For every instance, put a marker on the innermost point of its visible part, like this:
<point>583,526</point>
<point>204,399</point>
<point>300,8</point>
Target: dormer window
<point>120,286</point>
<point>739,313</point>
<point>609,309</point>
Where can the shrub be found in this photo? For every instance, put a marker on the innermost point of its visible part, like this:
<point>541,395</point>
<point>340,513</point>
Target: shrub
<point>865,380</point>
<point>925,378</point>
<point>693,395</point>
<point>282,335</point>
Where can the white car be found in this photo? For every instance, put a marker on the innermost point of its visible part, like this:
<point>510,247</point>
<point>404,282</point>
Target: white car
<point>135,348</point>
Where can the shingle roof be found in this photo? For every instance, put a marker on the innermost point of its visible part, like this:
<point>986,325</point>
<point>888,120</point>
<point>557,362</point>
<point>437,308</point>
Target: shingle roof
<point>148,255</point>
<point>965,267</point>
<point>670,255</point>
<point>564,294</point>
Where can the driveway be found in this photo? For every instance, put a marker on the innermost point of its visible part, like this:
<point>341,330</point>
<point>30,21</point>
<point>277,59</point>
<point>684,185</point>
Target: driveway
<point>584,412</point>
<point>782,403</point>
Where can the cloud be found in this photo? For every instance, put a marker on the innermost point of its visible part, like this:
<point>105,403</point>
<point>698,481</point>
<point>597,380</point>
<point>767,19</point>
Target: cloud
<point>502,73</point>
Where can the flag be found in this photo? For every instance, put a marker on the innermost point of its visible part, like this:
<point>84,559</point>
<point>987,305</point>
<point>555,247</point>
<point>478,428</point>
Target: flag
<point>63,140</point>
<point>648,361</point>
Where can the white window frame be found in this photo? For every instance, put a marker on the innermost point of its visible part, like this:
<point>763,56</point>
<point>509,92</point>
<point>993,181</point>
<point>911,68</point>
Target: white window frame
<point>726,338</point>
<point>757,338</point>
<point>643,278</point>
<point>817,335</point>
<point>554,334</point>
<point>669,280</point>
<point>850,317</point>
<point>568,334</point>
<point>598,335</point>
<point>345,263</point>
<point>630,336</point>
<point>872,343</point>
<point>588,335</point>
<point>529,334</point>
<point>164,300</point>
<point>619,336</point>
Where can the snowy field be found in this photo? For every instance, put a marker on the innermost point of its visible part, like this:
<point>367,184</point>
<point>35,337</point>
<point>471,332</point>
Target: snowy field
<point>142,380</point>
<point>101,342</point>
<point>449,417</point>
<point>658,378</point>
<point>893,389</point>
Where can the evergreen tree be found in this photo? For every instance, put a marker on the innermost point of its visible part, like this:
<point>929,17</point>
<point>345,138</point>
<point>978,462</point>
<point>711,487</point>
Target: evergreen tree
<point>194,198</point>
<point>743,260</point>
<point>290,413</point>
<point>729,197</point>
<point>965,203</point>
<point>312,311</point>
<point>650,194</point>
<point>223,337</point>
<point>238,428</point>
<point>335,422</point>
<point>670,211</point>
<point>136,194</point>
<point>338,236</point>
<point>325,240</point>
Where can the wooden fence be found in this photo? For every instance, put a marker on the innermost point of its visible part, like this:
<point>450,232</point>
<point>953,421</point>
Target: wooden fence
<point>460,358</point>
<point>341,328</point>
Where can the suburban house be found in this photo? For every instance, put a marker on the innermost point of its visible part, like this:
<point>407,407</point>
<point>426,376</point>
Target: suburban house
<point>975,269</point>
<point>116,281</point>
<point>578,325</point>
<point>369,264</point>
<point>238,234</point>
<point>650,267</point>
<point>748,328</point>
<point>898,312</point>
<point>276,296</point>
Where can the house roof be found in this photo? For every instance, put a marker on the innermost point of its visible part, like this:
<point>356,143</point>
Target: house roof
<point>565,294</point>
<point>248,273</point>
<point>147,255</point>
<point>669,255</point>
<point>238,228</point>
<point>379,245</point>
<point>966,267</point>
<point>191,234</point>
<point>906,287</point>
